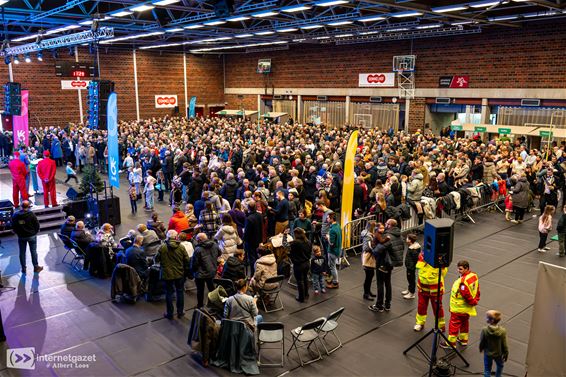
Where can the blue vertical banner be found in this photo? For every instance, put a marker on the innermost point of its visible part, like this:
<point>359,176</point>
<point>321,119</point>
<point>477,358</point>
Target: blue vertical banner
<point>192,107</point>
<point>113,153</point>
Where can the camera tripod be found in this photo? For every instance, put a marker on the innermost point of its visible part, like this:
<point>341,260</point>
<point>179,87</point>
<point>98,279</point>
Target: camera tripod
<point>435,332</point>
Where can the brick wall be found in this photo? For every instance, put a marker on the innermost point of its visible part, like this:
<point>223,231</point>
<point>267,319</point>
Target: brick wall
<point>417,112</point>
<point>157,74</point>
<point>234,103</point>
<point>526,57</point>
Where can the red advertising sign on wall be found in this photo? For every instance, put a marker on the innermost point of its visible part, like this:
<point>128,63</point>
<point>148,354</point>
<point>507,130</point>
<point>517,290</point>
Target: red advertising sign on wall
<point>165,100</point>
<point>457,82</point>
<point>74,84</point>
<point>376,79</point>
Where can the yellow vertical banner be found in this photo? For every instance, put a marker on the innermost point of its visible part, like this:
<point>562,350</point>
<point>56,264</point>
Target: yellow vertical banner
<point>348,188</point>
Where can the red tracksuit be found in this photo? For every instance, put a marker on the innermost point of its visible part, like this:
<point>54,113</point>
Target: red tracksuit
<point>19,172</point>
<point>46,170</point>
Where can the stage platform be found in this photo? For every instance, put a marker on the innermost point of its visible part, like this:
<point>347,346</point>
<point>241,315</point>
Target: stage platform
<point>62,311</point>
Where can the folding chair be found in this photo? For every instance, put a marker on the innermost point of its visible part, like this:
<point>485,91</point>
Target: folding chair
<point>329,326</point>
<point>307,334</point>
<point>270,332</point>
<point>73,248</point>
<point>272,295</point>
<point>227,284</point>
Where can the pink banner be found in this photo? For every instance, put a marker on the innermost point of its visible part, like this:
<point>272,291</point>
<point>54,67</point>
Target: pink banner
<point>20,123</point>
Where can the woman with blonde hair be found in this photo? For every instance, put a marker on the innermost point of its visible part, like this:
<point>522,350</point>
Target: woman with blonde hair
<point>368,260</point>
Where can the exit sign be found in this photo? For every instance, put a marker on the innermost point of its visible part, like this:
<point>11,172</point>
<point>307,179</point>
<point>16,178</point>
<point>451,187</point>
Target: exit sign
<point>546,134</point>
<point>456,128</point>
<point>480,129</point>
<point>504,131</point>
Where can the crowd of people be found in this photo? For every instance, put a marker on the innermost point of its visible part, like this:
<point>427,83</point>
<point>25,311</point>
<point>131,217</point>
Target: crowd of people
<point>233,185</point>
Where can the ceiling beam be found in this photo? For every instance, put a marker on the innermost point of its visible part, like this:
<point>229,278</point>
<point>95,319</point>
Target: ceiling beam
<point>70,5</point>
<point>548,4</point>
<point>426,9</point>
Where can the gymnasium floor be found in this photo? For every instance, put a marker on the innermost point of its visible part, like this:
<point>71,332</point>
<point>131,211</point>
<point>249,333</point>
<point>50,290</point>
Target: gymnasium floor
<point>66,312</point>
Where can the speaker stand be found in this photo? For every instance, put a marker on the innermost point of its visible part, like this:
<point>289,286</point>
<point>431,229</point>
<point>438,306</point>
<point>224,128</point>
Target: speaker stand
<point>435,332</point>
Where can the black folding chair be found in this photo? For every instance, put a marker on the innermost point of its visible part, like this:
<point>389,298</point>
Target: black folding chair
<point>227,284</point>
<point>270,333</point>
<point>329,327</point>
<point>272,295</point>
<point>74,249</point>
<point>304,337</point>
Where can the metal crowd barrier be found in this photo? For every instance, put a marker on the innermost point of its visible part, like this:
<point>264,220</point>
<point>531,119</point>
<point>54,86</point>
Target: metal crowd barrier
<point>352,230</point>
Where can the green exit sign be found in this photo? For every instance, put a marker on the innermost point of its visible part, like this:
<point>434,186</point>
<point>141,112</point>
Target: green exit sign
<point>504,131</point>
<point>480,129</point>
<point>545,134</point>
<point>456,128</point>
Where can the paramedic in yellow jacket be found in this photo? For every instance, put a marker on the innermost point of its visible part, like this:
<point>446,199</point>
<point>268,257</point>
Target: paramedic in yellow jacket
<point>427,288</point>
<point>464,297</point>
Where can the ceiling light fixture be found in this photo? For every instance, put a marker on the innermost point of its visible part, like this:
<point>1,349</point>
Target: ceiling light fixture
<point>195,26</point>
<point>214,22</point>
<point>160,46</point>
<point>428,26</point>
<point>121,13</point>
<point>265,14</point>
<point>329,3</point>
<point>310,27</point>
<point>339,23</point>
<point>16,59</point>
<point>174,30</point>
<point>27,58</point>
<point>296,8</point>
<point>135,36</point>
<point>484,4</point>
<point>449,8</point>
<point>343,35</point>
<point>237,18</point>
<point>406,14</point>
<point>243,35</point>
<point>268,32</point>
<point>287,30</point>
<point>165,2</point>
<point>142,7</point>
<point>372,18</point>
<point>503,18</point>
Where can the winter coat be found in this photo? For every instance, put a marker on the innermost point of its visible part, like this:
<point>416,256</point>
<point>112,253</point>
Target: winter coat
<point>125,280</point>
<point>493,340</point>
<point>521,193</point>
<point>205,260</point>
<point>412,256</point>
<point>173,259</point>
<point>489,172</point>
<point>178,222</point>
<point>253,232</point>
<point>25,223</point>
<point>234,269</point>
<point>561,226</point>
<point>56,150</point>
<point>368,259</point>
<point>228,191</point>
<point>151,242</point>
<point>397,246</point>
<point>228,239</point>
<point>265,268</point>
<point>415,188</point>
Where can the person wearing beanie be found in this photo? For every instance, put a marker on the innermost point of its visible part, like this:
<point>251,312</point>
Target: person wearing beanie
<point>46,170</point>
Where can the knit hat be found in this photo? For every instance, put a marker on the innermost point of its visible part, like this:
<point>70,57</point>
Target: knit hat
<point>46,154</point>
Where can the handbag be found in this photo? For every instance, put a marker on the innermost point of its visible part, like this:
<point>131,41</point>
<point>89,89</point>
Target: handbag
<point>158,187</point>
<point>368,260</point>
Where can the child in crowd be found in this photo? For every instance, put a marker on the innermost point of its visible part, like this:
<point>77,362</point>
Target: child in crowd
<point>133,193</point>
<point>544,226</point>
<point>411,259</point>
<point>493,343</point>
<point>71,173</point>
<point>561,230</point>
<point>317,267</point>
<point>220,268</point>
<point>508,207</point>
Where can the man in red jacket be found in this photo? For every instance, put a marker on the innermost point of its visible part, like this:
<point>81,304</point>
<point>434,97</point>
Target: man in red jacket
<point>19,173</point>
<point>46,170</point>
<point>178,221</point>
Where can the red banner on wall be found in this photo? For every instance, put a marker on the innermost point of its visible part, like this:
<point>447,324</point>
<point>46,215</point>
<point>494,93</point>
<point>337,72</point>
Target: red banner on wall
<point>456,82</point>
<point>20,122</point>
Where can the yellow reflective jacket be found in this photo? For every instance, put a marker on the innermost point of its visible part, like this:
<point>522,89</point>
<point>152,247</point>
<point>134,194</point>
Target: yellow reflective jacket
<point>427,281</point>
<point>465,294</point>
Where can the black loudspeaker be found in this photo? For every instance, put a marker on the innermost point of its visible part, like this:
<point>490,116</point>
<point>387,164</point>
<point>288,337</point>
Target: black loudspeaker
<point>176,110</point>
<point>72,193</point>
<point>109,211</point>
<point>438,242</point>
<point>12,98</point>
<point>7,122</point>
<point>224,8</point>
